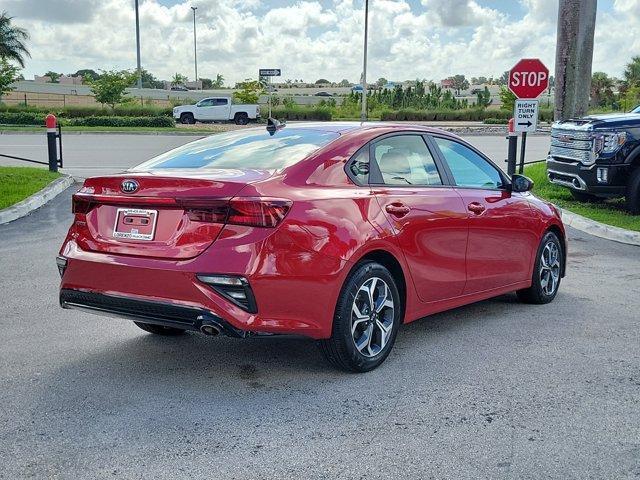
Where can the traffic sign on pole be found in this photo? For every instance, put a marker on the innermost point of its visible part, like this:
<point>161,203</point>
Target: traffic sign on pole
<point>528,78</point>
<point>525,115</point>
<point>269,72</point>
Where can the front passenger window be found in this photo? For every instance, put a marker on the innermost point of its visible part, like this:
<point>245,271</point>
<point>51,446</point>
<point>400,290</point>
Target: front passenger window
<point>468,168</point>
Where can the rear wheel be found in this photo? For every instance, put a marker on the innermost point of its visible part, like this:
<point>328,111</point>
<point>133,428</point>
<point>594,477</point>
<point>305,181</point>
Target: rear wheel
<point>632,197</point>
<point>159,329</point>
<point>187,119</point>
<point>585,197</point>
<point>241,118</point>
<point>366,321</point>
<point>547,272</point>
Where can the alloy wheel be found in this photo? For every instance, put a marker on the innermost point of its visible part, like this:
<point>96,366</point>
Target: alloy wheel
<point>372,316</point>
<point>550,268</point>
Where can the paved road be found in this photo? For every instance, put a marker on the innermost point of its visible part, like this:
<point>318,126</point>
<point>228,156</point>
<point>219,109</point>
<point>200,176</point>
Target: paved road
<point>494,390</point>
<point>87,155</point>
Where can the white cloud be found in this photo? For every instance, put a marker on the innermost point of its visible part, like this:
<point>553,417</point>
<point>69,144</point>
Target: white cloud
<point>311,39</point>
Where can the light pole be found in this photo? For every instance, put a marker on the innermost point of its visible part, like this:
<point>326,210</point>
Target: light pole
<point>138,45</point>
<point>363,114</point>
<point>195,44</point>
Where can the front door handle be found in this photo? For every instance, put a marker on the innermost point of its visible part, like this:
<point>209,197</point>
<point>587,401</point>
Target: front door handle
<point>397,209</point>
<point>476,207</point>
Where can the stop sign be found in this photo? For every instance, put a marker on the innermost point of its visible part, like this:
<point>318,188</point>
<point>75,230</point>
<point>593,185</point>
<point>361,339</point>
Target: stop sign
<point>528,78</point>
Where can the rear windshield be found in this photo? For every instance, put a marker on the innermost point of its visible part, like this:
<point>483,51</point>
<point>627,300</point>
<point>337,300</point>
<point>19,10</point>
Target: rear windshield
<point>244,149</point>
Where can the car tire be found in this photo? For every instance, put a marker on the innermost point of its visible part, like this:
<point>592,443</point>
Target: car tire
<point>632,196</point>
<point>547,268</point>
<point>159,329</point>
<point>241,118</point>
<point>187,119</point>
<point>585,197</point>
<point>361,340</point>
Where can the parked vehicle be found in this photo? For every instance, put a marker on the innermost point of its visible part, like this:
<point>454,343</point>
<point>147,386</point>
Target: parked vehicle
<point>179,88</point>
<point>598,157</point>
<point>216,109</point>
<point>339,232</point>
<point>324,94</point>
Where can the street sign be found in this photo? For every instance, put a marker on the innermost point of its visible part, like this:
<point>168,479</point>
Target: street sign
<point>269,72</point>
<point>528,78</point>
<point>525,115</point>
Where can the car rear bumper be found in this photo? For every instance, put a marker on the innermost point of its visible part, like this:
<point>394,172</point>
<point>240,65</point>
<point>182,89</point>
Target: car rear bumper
<point>578,177</point>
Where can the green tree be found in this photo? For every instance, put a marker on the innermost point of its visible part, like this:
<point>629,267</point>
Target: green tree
<point>507,98</point>
<point>87,73</point>
<point>601,89</point>
<point>632,73</point>
<point>248,91</point>
<point>53,76</point>
<point>149,80</point>
<point>322,81</point>
<point>110,88</point>
<point>178,79</point>
<point>12,40</point>
<point>344,83</point>
<point>381,82</point>
<point>484,98</point>
<point>8,75</point>
<point>206,83</point>
<point>218,82</point>
<point>460,83</point>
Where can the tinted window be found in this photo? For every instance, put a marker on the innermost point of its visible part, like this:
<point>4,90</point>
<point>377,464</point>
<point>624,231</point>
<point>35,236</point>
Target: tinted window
<point>220,101</point>
<point>468,168</point>
<point>205,103</point>
<point>253,148</point>
<point>359,167</point>
<point>406,160</point>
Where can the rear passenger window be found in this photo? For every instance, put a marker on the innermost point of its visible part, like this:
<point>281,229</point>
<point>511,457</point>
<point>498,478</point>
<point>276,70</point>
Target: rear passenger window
<point>406,160</point>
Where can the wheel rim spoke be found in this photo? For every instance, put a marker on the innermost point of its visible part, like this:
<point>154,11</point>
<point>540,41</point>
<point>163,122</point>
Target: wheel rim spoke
<point>549,268</point>
<point>372,317</point>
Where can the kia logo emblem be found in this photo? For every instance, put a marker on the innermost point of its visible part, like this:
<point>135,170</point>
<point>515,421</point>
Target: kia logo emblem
<point>129,186</point>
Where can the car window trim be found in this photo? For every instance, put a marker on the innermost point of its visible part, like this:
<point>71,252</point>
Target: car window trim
<point>352,159</point>
<point>374,169</point>
<point>503,176</point>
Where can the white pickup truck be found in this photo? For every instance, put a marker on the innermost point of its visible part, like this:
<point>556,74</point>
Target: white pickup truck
<point>216,109</point>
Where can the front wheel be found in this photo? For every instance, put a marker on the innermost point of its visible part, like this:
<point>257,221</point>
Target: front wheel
<point>632,196</point>
<point>547,272</point>
<point>187,119</point>
<point>159,329</point>
<point>366,320</point>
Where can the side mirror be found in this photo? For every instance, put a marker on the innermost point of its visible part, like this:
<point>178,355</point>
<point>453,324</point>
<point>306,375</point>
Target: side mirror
<point>520,183</point>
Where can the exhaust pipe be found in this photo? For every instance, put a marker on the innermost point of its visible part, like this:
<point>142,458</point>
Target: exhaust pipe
<point>210,329</point>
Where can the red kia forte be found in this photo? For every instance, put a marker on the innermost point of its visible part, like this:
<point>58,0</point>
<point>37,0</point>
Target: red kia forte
<point>339,232</point>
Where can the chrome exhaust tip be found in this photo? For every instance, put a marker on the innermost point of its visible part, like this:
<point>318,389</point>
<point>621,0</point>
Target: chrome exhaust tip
<point>210,330</point>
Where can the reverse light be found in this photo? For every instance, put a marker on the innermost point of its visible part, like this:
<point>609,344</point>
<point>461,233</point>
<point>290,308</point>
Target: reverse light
<point>234,288</point>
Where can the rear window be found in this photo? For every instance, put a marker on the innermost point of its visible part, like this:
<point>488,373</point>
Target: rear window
<point>244,149</point>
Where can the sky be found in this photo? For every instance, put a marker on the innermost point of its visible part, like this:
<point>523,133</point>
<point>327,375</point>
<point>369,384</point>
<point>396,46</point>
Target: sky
<point>312,39</point>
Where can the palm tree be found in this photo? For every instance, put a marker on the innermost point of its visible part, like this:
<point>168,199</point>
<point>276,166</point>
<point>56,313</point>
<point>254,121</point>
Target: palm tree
<point>601,89</point>
<point>12,40</point>
<point>632,73</point>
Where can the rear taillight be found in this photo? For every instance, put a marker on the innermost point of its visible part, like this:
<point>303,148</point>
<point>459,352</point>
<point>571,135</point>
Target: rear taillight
<point>81,205</point>
<point>258,212</point>
<point>252,212</point>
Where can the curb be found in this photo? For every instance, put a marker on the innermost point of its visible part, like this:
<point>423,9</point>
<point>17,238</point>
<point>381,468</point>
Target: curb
<point>601,230</point>
<point>37,200</point>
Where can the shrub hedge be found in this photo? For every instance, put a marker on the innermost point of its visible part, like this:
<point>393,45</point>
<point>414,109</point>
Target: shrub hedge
<point>77,111</point>
<point>300,113</point>
<point>118,121</point>
<point>22,118</point>
<point>470,114</point>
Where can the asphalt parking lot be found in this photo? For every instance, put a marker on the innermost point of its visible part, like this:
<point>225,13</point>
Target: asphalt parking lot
<point>87,155</point>
<point>493,390</point>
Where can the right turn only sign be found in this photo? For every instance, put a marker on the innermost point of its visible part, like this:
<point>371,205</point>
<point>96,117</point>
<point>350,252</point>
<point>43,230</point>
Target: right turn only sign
<point>525,115</point>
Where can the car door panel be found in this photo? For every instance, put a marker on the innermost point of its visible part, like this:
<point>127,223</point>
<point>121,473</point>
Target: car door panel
<point>429,220</point>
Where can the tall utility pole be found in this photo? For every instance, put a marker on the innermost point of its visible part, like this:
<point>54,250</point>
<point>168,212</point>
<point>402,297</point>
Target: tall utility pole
<point>195,44</point>
<point>138,45</point>
<point>574,55</point>
<point>363,114</point>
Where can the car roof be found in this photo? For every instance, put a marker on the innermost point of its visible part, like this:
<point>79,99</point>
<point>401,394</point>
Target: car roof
<point>374,127</point>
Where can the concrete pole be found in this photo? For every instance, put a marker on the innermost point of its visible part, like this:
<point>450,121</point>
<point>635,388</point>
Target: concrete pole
<point>138,45</point>
<point>574,55</point>
<point>363,114</point>
<point>195,43</point>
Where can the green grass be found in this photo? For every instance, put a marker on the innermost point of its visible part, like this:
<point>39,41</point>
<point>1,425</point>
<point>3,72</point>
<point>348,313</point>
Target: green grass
<point>610,212</point>
<point>17,183</point>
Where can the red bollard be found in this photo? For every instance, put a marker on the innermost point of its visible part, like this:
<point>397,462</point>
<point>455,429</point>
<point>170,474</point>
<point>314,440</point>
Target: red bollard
<point>51,123</point>
<point>513,148</point>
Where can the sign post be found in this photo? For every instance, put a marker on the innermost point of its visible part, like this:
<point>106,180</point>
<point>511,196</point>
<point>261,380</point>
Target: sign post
<point>527,80</point>
<point>269,72</point>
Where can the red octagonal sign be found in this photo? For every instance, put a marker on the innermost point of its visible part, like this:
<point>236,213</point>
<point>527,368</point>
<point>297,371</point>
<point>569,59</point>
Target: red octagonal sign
<point>528,78</point>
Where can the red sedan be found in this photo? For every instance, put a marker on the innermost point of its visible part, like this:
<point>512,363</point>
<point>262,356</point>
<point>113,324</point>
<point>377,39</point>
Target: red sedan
<point>335,231</point>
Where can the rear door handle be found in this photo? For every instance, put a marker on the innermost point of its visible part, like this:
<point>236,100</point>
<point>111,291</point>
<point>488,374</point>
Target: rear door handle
<point>476,207</point>
<point>397,209</point>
